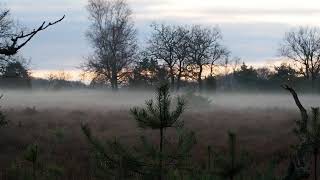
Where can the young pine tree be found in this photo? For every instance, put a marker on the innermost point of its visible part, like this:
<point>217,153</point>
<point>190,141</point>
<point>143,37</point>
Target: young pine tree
<point>159,116</point>
<point>232,163</point>
<point>3,120</point>
<point>32,156</point>
<point>313,139</point>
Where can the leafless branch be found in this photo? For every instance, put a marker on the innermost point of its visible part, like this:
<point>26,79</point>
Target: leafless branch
<point>14,46</point>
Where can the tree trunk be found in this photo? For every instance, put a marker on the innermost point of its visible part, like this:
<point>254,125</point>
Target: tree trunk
<point>179,77</point>
<point>211,69</point>
<point>315,154</point>
<point>161,155</point>
<point>303,111</point>
<point>199,78</point>
<point>34,171</point>
<point>313,80</point>
<point>114,81</point>
<point>172,77</point>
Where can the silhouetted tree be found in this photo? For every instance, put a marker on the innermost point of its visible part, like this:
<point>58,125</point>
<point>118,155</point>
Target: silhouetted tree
<point>204,49</point>
<point>298,168</point>
<point>15,75</point>
<point>284,74</point>
<point>11,39</point>
<point>59,80</point>
<point>113,37</point>
<point>263,73</point>
<point>146,73</point>
<point>246,76</point>
<point>303,46</point>
<point>181,51</point>
<point>162,47</point>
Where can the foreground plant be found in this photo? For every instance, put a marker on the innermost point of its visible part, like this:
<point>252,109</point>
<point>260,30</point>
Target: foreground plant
<point>232,163</point>
<point>32,156</point>
<point>3,120</point>
<point>159,116</point>
<point>308,132</point>
<point>148,161</point>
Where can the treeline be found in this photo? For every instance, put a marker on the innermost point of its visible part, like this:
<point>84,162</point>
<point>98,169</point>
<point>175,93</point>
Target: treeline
<point>187,55</point>
<point>243,78</point>
<point>15,74</point>
<point>147,74</point>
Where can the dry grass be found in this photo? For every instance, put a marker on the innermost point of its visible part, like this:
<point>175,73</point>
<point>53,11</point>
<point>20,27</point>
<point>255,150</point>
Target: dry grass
<point>263,124</point>
<point>263,132</point>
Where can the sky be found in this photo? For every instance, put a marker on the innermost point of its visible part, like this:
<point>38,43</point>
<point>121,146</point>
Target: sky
<point>252,29</point>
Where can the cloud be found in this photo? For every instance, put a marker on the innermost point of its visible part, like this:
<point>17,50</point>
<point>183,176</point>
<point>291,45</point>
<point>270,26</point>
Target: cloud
<point>252,30</point>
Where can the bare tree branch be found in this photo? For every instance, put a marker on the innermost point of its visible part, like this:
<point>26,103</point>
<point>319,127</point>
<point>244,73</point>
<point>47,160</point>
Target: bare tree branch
<point>303,111</point>
<point>14,46</point>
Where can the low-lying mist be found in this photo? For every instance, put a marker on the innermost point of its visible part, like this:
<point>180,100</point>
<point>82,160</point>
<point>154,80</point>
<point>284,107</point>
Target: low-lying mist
<point>98,99</point>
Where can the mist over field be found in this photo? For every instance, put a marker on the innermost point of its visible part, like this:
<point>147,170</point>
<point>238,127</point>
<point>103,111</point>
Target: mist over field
<point>159,90</point>
<point>104,99</point>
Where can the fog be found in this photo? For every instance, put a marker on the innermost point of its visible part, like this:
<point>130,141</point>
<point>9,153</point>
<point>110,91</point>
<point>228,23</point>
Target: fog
<point>93,99</point>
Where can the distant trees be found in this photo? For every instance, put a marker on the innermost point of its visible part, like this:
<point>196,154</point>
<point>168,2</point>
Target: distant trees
<point>246,76</point>
<point>58,80</point>
<point>303,46</point>
<point>15,75</point>
<point>183,54</point>
<point>204,49</point>
<point>181,50</point>
<point>113,37</point>
<point>285,74</point>
<point>147,73</point>
<point>186,51</point>
<point>161,46</point>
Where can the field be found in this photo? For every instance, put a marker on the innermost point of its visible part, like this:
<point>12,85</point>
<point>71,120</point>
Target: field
<point>263,124</point>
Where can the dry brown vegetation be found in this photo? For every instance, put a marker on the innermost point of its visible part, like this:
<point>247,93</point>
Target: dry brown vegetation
<point>264,131</point>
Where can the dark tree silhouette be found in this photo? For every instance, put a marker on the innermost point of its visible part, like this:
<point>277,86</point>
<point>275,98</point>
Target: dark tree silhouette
<point>11,42</point>
<point>147,72</point>
<point>297,168</point>
<point>15,75</point>
<point>284,73</point>
<point>246,76</point>
<point>204,49</point>
<point>113,37</point>
<point>181,50</point>
<point>162,45</point>
<point>303,46</point>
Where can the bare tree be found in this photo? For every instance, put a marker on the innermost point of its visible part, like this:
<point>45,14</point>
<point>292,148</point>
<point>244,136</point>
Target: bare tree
<point>113,37</point>
<point>219,52</point>
<point>181,51</point>
<point>204,48</point>
<point>161,46</point>
<point>12,41</point>
<point>303,46</point>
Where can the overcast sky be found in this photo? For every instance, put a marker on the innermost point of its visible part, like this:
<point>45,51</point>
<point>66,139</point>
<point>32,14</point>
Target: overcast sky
<point>252,29</point>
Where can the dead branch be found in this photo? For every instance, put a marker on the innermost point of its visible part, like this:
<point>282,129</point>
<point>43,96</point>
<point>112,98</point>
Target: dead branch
<point>303,111</point>
<point>14,46</point>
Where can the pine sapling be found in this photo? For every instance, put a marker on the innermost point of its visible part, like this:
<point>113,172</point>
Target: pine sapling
<point>158,115</point>
<point>232,163</point>
<point>313,138</point>
<point>32,155</point>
